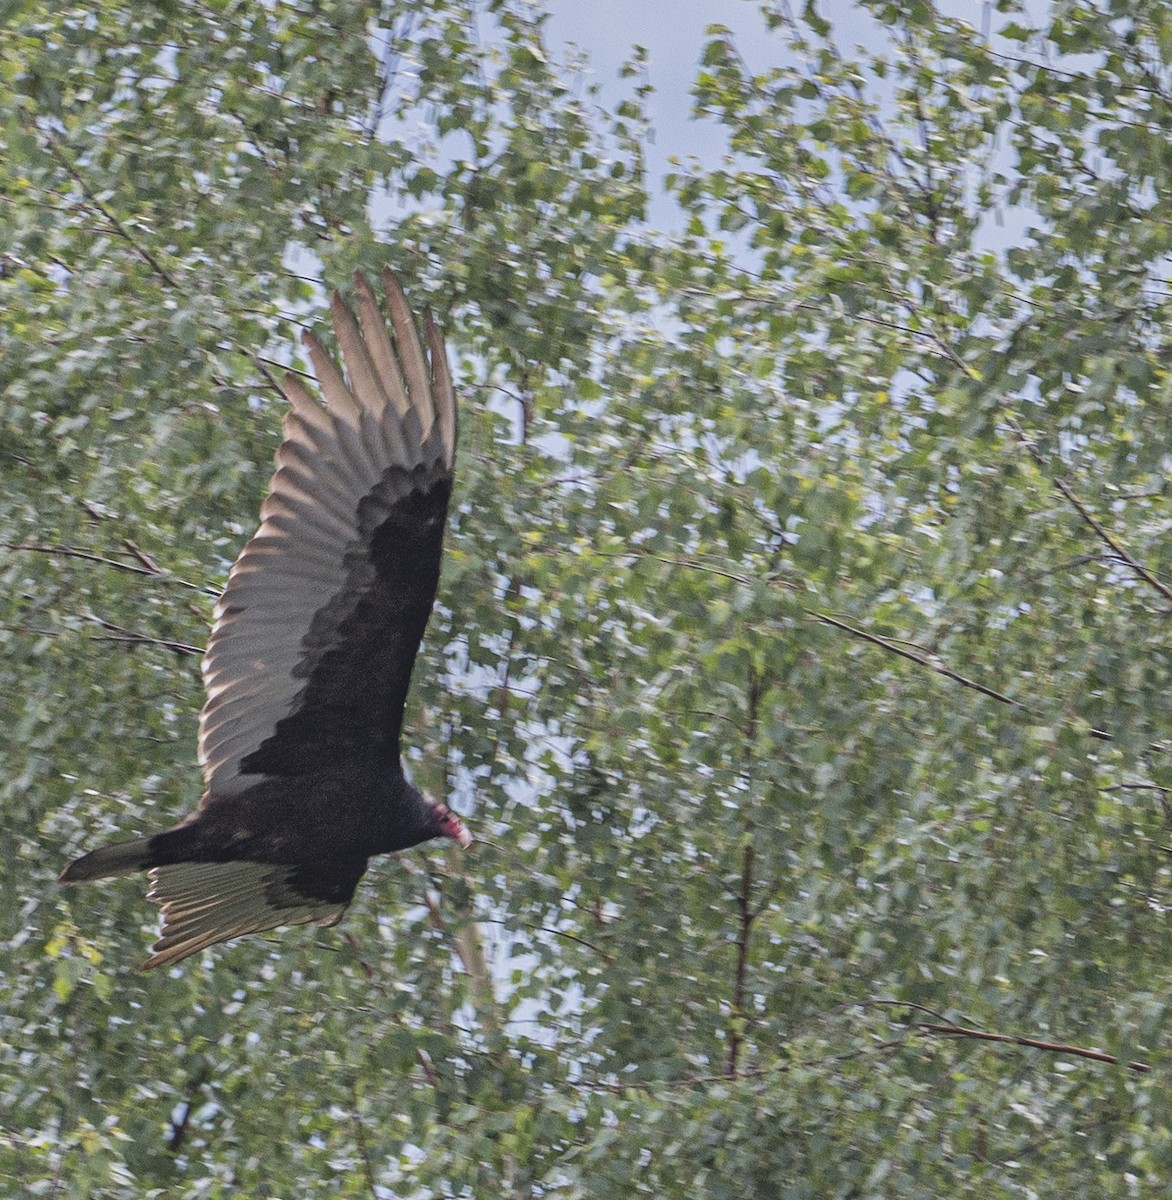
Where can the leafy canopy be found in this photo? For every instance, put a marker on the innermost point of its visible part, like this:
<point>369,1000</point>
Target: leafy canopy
<point>802,649</point>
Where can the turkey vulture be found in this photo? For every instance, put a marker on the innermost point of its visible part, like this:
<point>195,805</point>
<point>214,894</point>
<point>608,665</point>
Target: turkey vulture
<point>311,653</point>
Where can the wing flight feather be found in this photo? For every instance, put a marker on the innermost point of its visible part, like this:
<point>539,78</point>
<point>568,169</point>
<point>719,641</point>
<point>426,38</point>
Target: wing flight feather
<point>378,343</point>
<point>208,902</point>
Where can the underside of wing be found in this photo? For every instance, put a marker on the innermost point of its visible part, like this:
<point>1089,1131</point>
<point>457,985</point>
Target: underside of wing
<point>316,587</point>
<point>208,902</point>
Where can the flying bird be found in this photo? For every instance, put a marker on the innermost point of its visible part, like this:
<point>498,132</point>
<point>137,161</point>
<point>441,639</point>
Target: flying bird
<point>311,653</point>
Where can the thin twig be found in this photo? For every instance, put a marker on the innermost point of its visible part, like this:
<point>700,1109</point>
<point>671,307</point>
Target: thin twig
<point>943,1027</point>
<point>132,638</point>
<point>144,558</point>
<point>270,378</point>
<point>777,1068</point>
<point>70,552</point>
<point>89,556</point>
<point>116,225</point>
<point>534,927</point>
<point>141,639</point>
<point>888,644</point>
<point>1105,536</point>
<point>470,951</point>
<point>1067,491</point>
<point>940,669</point>
<point>692,564</point>
<point>984,1035</point>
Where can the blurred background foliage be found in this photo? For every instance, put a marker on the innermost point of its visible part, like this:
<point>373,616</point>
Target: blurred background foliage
<point>802,654</point>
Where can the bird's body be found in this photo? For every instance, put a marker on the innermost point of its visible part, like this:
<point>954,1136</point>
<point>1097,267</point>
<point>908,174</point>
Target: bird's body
<point>310,658</point>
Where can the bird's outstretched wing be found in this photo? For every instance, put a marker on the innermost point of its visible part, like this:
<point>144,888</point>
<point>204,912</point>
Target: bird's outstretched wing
<point>317,631</point>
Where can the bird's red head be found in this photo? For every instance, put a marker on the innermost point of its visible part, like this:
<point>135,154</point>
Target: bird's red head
<point>449,825</point>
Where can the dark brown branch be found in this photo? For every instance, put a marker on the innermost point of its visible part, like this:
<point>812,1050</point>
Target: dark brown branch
<point>92,200</point>
<point>144,558</point>
<point>874,639</point>
<point>736,1033</point>
<point>287,368</point>
<point>89,556</point>
<point>942,1027</point>
<point>261,365</point>
<point>1117,548</point>
<point>360,1139</point>
<point>691,564</point>
<point>130,638</point>
<point>888,644</point>
<point>424,1060</point>
<point>744,898</point>
<point>141,639</point>
<point>984,1035</point>
<point>559,933</point>
<point>70,552</point>
<point>940,669</point>
<point>909,1005</point>
<point>180,1125</point>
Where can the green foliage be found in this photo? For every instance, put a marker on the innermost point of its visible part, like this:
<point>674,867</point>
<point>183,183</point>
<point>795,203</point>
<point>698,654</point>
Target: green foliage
<point>801,658</point>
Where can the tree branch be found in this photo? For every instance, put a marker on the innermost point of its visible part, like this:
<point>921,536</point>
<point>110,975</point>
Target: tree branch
<point>894,648</point>
<point>130,638</point>
<point>875,639</point>
<point>147,565</point>
<point>141,555</point>
<point>179,1126</point>
<point>470,951</point>
<point>744,898</point>
<point>736,1032</point>
<point>71,552</point>
<point>92,200</point>
<point>939,1028</point>
<point>942,1027</point>
<point>1117,548</point>
<point>940,668</point>
<point>984,1035</point>
<point>360,1138</point>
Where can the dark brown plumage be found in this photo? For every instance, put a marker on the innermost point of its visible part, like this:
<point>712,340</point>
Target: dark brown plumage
<point>311,654</point>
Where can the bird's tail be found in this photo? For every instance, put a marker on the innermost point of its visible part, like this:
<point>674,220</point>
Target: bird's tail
<point>120,859</point>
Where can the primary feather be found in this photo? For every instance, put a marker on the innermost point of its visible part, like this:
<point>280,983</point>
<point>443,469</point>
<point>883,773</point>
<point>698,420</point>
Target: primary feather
<point>310,657</point>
